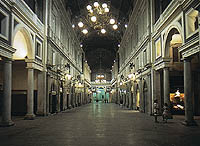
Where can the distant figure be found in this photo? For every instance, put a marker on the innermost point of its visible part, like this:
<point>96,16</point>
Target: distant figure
<point>102,98</point>
<point>165,114</point>
<point>155,110</point>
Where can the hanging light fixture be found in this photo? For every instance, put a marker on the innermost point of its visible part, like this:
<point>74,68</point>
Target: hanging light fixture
<point>93,18</point>
<point>96,4</point>
<point>80,24</point>
<point>104,5</point>
<point>106,10</point>
<point>112,21</point>
<point>89,7</point>
<point>103,31</point>
<point>176,39</point>
<point>98,19</point>
<point>85,31</point>
<point>115,26</point>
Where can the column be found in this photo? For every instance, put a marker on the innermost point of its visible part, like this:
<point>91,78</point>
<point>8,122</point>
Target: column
<point>189,118</point>
<point>41,102</point>
<point>131,100</point>
<point>166,86</point>
<point>30,96</point>
<point>6,100</point>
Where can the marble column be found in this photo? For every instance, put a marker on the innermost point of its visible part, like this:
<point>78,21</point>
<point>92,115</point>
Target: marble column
<point>189,115</point>
<point>131,100</point>
<point>166,86</point>
<point>6,100</point>
<point>41,102</point>
<point>30,96</point>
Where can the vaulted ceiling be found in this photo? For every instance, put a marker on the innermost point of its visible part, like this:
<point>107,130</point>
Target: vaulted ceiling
<point>101,50</point>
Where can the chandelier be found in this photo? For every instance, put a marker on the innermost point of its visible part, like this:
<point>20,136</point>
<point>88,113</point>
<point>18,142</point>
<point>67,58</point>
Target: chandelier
<point>98,18</point>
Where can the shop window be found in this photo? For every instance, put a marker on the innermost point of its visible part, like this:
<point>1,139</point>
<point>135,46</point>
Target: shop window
<point>191,22</point>
<point>38,50</point>
<point>3,24</point>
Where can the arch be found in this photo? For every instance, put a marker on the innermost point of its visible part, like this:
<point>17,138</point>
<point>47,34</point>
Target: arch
<point>21,31</point>
<point>174,29</point>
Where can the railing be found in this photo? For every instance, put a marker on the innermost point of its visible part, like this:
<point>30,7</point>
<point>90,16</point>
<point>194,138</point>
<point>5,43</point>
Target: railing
<point>29,13</point>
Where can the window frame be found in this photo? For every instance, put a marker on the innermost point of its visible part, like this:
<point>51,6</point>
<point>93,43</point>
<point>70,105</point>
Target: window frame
<point>6,36</point>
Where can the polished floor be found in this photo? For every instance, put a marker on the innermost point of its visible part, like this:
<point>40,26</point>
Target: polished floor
<point>99,125</point>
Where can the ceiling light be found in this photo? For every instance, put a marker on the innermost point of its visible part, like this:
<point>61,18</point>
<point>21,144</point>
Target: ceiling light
<point>118,45</point>
<point>80,24</point>
<point>115,26</point>
<point>73,26</point>
<point>112,21</point>
<point>93,18</point>
<point>85,31</point>
<point>106,10</point>
<point>126,25</point>
<point>89,7</point>
<point>104,5</point>
<point>96,4</point>
<point>103,31</point>
<point>81,45</point>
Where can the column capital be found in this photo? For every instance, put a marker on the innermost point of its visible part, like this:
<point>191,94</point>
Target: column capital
<point>7,60</point>
<point>188,59</point>
<point>166,68</point>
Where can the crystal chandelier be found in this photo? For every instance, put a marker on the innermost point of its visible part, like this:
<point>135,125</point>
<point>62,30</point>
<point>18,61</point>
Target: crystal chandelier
<point>98,18</point>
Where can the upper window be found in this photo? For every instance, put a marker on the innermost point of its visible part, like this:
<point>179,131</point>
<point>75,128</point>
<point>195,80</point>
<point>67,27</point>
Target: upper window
<point>191,22</point>
<point>158,48</point>
<point>145,57</point>
<point>38,49</point>
<point>3,24</point>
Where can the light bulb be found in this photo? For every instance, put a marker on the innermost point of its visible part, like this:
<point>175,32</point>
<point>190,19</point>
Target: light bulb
<point>103,31</point>
<point>96,4</point>
<point>85,31</point>
<point>73,26</point>
<point>115,26</point>
<point>104,5</point>
<point>89,7</point>
<point>91,11</point>
<point>93,18</point>
<point>80,24</point>
<point>112,21</point>
<point>106,10</point>
<point>126,25</point>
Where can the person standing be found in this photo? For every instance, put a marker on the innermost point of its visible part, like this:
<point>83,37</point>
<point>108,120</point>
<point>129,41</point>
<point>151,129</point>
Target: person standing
<point>155,110</point>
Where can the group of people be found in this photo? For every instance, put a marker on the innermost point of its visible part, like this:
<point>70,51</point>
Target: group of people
<point>165,114</point>
<point>105,100</point>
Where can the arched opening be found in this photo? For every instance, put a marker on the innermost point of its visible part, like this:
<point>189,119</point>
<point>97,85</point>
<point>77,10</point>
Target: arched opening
<point>137,97</point>
<point>145,102</point>
<point>175,71</point>
<point>23,45</point>
<point>173,41</point>
<point>20,44</point>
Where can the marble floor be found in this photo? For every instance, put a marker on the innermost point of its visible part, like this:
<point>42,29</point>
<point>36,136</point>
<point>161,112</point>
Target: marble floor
<point>99,125</point>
